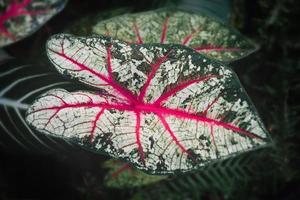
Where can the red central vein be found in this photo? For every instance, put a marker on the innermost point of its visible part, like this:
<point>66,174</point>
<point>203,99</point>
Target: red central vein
<point>127,94</point>
<point>180,87</point>
<point>94,124</point>
<point>159,110</point>
<point>155,67</point>
<point>214,48</point>
<point>137,33</point>
<point>138,136</point>
<point>172,134</point>
<point>193,116</point>
<point>164,31</point>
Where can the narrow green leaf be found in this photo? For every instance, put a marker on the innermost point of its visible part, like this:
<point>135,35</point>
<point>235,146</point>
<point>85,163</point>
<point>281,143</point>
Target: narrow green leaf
<point>20,84</point>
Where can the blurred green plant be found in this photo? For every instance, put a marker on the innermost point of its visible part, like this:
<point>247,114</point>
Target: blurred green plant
<point>122,175</point>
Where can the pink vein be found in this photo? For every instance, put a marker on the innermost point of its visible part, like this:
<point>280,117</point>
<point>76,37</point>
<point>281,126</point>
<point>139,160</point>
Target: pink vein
<point>52,116</point>
<point>94,123</point>
<point>127,94</point>
<point>159,110</point>
<point>120,170</point>
<point>164,31</point>
<point>88,105</point>
<point>137,33</point>
<point>210,105</point>
<point>61,99</point>
<point>180,87</point>
<point>189,37</point>
<point>14,10</point>
<point>155,67</point>
<point>167,127</point>
<point>108,61</point>
<point>138,136</point>
<point>193,116</point>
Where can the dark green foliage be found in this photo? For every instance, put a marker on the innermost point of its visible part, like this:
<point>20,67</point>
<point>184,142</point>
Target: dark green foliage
<point>121,175</point>
<point>219,179</point>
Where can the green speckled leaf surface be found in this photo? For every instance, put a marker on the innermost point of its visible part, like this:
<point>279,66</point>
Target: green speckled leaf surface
<point>204,33</point>
<point>20,18</point>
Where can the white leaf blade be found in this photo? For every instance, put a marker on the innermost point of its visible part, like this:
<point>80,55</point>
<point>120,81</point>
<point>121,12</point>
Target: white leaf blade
<point>205,116</point>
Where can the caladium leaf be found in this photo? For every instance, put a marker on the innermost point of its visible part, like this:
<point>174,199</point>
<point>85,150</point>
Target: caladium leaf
<point>122,175</point>
<point>160,107</point>
<point>20,84</point>
<point>20,18</point>
<point>201,32</point>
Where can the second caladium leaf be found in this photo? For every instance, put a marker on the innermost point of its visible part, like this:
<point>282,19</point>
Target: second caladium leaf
<point>20,18</point>
<point>122,175</point>
<point>201,32</point>
<point>163,108</point>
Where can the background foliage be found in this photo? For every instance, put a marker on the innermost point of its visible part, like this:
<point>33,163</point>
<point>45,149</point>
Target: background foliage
<point>270,76</point>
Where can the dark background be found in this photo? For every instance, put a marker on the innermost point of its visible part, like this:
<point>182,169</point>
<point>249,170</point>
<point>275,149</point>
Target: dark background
<point>271,77</point>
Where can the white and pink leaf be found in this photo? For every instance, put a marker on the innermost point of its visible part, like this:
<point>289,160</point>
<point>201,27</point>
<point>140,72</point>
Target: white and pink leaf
<point>161,107</point>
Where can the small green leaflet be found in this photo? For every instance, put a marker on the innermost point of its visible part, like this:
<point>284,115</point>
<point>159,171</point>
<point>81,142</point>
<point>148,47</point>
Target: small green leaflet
<point>122,175</point>
<point>20,18</point>
<point>201,32</point>
<point>163,108</point>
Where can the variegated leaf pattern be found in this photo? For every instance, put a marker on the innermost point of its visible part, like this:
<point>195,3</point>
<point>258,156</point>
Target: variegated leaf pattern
<point>20,18</point>
<point>160,107</point>
<point>122,175</point>
<point>201,32</point>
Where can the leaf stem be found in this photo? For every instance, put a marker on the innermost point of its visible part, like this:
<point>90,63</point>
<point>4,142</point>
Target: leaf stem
<point>13,104</point>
